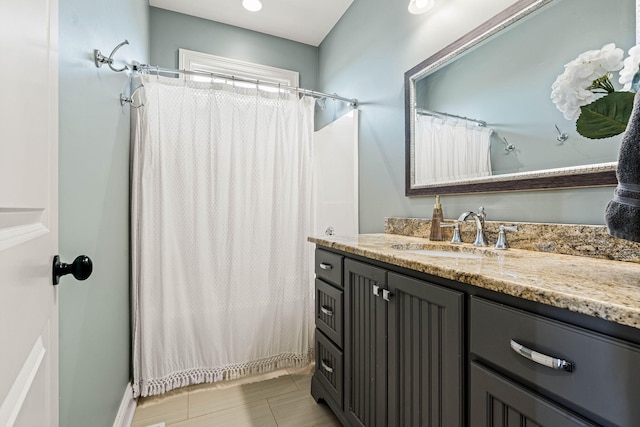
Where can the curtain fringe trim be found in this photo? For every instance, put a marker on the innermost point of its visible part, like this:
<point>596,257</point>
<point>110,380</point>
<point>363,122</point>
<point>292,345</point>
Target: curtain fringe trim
<point>144,388</point>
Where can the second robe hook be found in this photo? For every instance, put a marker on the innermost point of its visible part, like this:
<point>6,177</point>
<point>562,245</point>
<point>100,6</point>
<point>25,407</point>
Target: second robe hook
<point>508,147</point>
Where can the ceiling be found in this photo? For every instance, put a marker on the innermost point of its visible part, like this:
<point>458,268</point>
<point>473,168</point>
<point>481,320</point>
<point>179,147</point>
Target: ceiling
<point>304,21</point>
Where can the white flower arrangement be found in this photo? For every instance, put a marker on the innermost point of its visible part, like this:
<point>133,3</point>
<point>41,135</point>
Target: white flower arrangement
<point>630,70</point>
<point>584,90</point>
<point>574,88</point>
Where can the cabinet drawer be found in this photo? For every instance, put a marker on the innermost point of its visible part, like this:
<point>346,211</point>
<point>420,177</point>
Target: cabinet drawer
<point>496,401</point>
<point>329,311</point>
<point>599,384</point>
<point>329,367</point>
<point>329,267</point>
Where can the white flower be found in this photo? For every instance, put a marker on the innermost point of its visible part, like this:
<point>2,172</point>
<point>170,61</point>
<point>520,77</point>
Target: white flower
<point>590,70</point>
<point>631,67</point>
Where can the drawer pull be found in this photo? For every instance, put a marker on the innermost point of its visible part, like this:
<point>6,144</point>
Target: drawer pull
<point>542,359</point>
<point>326,367</point>
<point>376,290</point>
<point>326,310</point>
<point>386,295</point>
<point>326,266</point>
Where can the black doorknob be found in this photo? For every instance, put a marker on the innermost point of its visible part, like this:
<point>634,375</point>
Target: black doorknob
<point>81,268</point>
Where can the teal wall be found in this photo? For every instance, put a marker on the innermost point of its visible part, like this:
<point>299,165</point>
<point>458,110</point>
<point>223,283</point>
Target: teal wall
<point>365,56</point>
<point>171,31</point>
<point>94,205</point>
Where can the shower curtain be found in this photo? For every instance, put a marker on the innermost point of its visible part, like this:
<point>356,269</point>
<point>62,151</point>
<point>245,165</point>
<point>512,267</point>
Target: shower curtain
<point>221,209</point>
<point>450,150</point>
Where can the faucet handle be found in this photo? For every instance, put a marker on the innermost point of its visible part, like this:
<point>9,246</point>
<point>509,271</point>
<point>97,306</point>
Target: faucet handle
<point>456,230</point>
<point>502,236</point>
<point>482,214</point>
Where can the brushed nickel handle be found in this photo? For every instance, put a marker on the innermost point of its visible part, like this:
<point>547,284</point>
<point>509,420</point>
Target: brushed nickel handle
<point>326,310</point>
<point>325,266</point>
<point>502,236</point>
<point>376,290</point>
<point>541,359</point>
<point>386,295</point>
<point>326,367</point>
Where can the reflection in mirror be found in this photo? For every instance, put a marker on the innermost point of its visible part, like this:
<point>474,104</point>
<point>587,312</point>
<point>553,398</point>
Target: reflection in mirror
<point>449,147</point>
<point>481,119</point>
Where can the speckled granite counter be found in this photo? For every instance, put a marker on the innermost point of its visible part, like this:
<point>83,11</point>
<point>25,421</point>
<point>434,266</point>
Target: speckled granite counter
<point>597,287</point>
<point>568,239</point>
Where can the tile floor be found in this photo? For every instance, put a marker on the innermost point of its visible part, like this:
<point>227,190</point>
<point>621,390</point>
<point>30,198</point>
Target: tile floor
<point>279,398</point>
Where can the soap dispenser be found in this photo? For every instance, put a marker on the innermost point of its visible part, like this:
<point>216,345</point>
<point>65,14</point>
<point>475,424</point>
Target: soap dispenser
<point>436,219</point>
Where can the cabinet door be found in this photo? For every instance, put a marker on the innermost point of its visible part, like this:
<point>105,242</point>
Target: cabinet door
<point>425,354</point>
<point>365,322</point>
<point>496,401</point>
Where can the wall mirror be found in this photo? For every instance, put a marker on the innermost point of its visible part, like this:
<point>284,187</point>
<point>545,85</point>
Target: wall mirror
<point>499,75</point>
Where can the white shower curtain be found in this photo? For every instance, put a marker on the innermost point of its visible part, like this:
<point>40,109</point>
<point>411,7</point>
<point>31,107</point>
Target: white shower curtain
<point>221,208</point>
<point>450,150</point>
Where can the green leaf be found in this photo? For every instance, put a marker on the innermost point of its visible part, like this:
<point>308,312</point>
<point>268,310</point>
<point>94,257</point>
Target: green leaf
<point>605,117</point>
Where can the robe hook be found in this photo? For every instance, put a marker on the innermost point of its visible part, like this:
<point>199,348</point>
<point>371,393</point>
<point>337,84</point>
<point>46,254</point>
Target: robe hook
<point>99,58</point>
<point>129,100</point>
<point>507,146</point>
<point>562,137</point>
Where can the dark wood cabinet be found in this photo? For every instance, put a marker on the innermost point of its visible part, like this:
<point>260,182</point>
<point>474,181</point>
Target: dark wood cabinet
<point>403,350</point>
<point>329,306</point>
<point>365,344</point>
<point>597,382</point>
<point>394,348</point>
<point>330,368</point>
<point>497,401</point>
<point>328,381</point>
<point>425,353</point>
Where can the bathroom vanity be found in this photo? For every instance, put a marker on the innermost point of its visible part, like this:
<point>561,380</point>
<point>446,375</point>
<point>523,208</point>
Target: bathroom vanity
<point>412,332</point>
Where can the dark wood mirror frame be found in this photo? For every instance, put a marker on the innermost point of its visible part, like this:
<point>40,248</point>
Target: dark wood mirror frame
<point>571,177</point>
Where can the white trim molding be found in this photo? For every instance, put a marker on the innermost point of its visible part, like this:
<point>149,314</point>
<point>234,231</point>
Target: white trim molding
<point>197,61</point>
<point>127,409</point>
<point>10,408</point>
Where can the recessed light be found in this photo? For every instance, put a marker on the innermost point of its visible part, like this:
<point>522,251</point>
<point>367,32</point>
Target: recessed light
<point>417,7</point>
<point>252,5</point>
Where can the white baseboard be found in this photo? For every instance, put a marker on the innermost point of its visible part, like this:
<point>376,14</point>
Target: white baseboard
<point>127,409</point>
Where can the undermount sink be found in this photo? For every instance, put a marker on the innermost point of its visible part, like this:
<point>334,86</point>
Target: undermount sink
<point>443,250</point>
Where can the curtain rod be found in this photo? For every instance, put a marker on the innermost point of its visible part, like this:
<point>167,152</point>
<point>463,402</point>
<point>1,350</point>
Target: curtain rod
<point>425,112</point>
<point>145,68</point>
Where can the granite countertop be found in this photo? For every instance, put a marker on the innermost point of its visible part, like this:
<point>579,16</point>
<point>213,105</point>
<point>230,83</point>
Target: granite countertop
<point>601,288</point>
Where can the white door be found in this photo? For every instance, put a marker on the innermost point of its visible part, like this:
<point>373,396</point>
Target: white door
<point>28,212</point>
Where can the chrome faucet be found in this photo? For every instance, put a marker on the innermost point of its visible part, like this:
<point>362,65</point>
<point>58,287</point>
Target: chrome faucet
<point>479,219</point>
